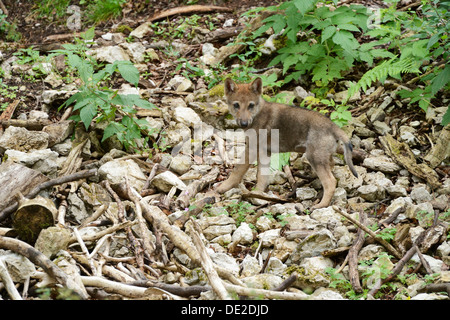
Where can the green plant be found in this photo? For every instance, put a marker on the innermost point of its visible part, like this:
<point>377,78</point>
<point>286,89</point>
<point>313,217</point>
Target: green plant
<point>239,211</point>
<point>327,45</point>
<point>96,101</point>
<point>101,10</point>
<point>51,9</point>
<point>387,234</point>
<point>414,39</point>
<point>9,30</point>
<point>338,281</point>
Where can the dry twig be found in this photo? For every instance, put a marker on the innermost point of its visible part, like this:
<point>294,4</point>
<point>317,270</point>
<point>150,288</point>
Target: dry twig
<point>384,243</point>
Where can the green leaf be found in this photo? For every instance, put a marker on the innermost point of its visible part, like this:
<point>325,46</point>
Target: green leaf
<point>112,129</point>
<point>346,40</point>
<point>328,32</point>
<point>440,80</point>
<point>304,6</point>
<point>89,34</point>
<point>279,160</point>
<point>87,114</point>
<point>349,27</point>
<point>446,118</point>
<point>128,71</point>
<point>73,98</point>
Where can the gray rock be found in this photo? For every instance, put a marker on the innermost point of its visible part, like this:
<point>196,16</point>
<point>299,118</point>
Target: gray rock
<point>141,31</point>
<point>420,194</point>
<point>49,96</point>
<point>313,245</point>
<point>58,132</point>
<point>435,264</point>
<point>19,268</point>
<point>51,240</point>
<point>30,159</point>
<point>166,180</point>
<point>268,237</point>
<point>180,164</point>
<point>116,171</point>
<point>135,50</point>
<point>275,266</point>
<point>430,296</point>
<point>109,54</point>
<point>180,83</point>
<point>250,266</point>
<point>306,193</point>
<point>243,234</point>
<point>209,52</point>
<point>76,209</point>
<point>215,231</point>
<point>225,261</point>
<point>263,281</point>
<point>370,192</point>
<point>381,163</point>
<point>381,127</point>
<point>326,294</point>
<point>186,116</point>
<point>314,274</point>
<point>301,94</point>
<point>20,139</point>
<point>327,217</point>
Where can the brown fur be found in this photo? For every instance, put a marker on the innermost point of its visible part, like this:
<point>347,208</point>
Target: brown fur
<point>300,130</point>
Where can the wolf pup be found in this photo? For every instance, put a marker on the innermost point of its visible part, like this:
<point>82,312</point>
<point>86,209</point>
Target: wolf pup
<point>298,130</point>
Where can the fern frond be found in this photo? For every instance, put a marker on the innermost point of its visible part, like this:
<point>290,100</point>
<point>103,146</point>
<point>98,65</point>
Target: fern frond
<point>392,67</point>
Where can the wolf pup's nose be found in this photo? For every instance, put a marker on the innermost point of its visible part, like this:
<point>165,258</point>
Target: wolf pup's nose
<point>244,124</point>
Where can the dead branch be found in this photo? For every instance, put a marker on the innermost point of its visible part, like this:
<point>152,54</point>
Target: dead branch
<point>197,207</point>
<point>265,294</point>
<point>190,291</point>
<point>424,262</point>
<point>8,282</point>
<point>398,267</point>
<point>392,217</point>
<point>102,233</point>
<point>121,211</point>
<point>196,186</point>
<point>353,255</point>
<point>384,243</point>
<point>124,289</point>
<point>42,261</point>
<point>188,10</point>
<point>207,264</point>
<point>155,216</point>
<point>286,283</point>
<point>263,196</point>
<point>436,287</point>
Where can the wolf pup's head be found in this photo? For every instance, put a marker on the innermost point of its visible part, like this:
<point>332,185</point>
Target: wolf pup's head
<point>244,100</point>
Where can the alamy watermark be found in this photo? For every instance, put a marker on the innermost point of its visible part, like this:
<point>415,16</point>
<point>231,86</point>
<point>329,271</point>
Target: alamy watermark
<point>229,146</point>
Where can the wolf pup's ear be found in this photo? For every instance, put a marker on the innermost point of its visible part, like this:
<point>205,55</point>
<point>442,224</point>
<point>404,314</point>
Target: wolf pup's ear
<point>257,86</point>
<point>229,86</point>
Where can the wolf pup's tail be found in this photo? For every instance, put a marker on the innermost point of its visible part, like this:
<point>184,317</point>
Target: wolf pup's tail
<point>348,148</point>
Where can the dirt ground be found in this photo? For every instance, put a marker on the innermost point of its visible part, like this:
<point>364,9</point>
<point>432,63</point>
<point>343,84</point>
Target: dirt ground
<point>34,30</point>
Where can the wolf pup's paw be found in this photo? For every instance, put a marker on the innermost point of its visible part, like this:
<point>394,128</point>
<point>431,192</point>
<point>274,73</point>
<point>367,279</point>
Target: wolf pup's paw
<point>223,187</point>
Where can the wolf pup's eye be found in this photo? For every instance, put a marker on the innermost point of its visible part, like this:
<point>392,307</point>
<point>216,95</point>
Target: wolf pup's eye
<point>236,105</point>
<point>251,105</point>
